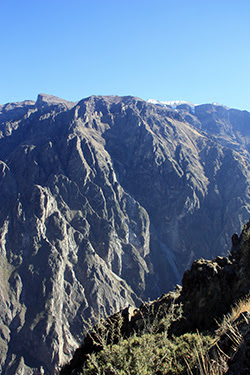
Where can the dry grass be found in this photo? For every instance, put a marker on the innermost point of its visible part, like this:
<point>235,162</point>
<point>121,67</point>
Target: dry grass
<point>242,306</point>
<point>214,362</point>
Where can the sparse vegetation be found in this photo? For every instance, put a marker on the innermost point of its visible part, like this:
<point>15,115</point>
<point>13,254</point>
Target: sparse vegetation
<point>148,351</point>
<point>152,351</point>
<point>147,354</point>
<point>178,333</point>
<point>228,339</point>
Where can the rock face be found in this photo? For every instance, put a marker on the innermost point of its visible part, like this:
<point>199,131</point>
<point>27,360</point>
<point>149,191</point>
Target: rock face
<point>105,203</point>
<point>210,289</point>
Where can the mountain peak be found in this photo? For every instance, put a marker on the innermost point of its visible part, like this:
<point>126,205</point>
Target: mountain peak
<point>171,103</point>
<point>105,205</point>
<point>45,100</point>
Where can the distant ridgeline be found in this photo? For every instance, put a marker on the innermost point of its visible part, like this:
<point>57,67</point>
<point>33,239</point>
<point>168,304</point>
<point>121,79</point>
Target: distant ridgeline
<point>104,204</point>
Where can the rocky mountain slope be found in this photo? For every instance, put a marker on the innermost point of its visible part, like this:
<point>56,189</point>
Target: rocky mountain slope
<point>210,289</point>
<point>105,203</point>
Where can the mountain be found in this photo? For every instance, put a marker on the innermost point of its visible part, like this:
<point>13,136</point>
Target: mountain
<point>104,203</point>
<point>201,328</point>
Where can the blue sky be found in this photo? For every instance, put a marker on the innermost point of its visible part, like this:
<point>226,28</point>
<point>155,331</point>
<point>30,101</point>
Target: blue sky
<point>194,50</point>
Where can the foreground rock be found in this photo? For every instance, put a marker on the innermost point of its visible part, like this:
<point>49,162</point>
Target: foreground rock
<point>104,203</point>
<point>210,290</point>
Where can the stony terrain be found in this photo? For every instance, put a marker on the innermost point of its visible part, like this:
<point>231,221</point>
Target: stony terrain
<point>210,289</point>
<point>105,203</point>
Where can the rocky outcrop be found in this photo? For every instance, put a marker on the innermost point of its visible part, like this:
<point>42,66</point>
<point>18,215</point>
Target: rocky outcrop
<point>210,289</point>
<point>105,203</point>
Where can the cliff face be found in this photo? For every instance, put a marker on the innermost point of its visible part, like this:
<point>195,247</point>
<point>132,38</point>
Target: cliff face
<point>103,203</point>
<point>210,289</point>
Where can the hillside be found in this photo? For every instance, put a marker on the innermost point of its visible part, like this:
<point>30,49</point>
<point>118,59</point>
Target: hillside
<point>202,328</point>
<point>105,203</point>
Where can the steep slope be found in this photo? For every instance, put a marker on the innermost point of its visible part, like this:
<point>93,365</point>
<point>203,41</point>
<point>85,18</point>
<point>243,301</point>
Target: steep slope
<point>210,289</point>
<point>104,203</point>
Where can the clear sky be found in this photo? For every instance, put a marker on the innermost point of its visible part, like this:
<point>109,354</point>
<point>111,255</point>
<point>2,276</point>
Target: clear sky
<point>194,50</point>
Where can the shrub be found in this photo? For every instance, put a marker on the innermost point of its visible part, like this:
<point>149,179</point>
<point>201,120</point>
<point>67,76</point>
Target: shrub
<point>149,352</point>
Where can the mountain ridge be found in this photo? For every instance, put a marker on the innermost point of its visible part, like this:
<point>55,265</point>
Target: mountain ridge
<point>105,203</point>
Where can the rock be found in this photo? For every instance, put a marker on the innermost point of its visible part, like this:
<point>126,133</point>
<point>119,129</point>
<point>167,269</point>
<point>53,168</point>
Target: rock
<point>211,287</point>
<point>208,293</point>
<point>104,203</point>
<point>48,101</point>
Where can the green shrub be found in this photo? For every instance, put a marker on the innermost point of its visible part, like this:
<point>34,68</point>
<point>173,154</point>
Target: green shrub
<point>150,353</point>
